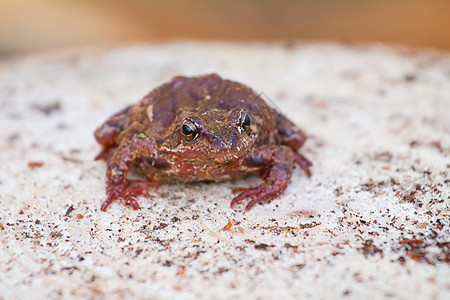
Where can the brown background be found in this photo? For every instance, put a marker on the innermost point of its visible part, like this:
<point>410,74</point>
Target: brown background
<point>40,24</point>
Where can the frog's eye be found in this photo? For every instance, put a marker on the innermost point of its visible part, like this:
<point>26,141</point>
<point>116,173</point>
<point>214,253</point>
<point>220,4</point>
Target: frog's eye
<point>244,122</point>
<point>189,130</point>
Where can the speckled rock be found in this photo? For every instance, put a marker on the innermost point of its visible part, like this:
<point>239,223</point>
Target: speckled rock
<point>372,222</point>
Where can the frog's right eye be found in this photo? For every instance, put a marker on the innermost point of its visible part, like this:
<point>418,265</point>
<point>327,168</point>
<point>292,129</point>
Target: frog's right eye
<point>189,130</point>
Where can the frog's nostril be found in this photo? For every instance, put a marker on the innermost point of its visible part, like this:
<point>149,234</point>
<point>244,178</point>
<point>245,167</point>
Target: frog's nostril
<point>214,139</point>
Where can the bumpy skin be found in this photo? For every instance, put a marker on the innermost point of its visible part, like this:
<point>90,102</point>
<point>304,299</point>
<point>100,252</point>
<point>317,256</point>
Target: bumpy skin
<point>200,128</point>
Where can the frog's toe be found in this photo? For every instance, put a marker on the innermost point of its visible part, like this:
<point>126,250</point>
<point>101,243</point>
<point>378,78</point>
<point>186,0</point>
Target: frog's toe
<point>129,200</point>
<point>102,154</point>
<point>132,201</point>
<point>114,192</point>
<point>105,205</point>
<point>241,190</point>
<point>137,187</point>
<point>304,163</point>
<point>244,193</point>
<point>261,197</point>
<point>257,194</point>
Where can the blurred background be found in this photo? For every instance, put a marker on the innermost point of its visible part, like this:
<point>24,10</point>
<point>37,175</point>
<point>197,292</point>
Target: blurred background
<point>30,25</point>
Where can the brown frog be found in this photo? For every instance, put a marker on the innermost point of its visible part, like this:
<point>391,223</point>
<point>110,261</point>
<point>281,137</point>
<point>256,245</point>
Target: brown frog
<point>200,128</point>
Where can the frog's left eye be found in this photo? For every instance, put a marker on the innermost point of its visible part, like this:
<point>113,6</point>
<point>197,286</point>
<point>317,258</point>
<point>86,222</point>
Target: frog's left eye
<point>244,121</point>
<point>189,130</point>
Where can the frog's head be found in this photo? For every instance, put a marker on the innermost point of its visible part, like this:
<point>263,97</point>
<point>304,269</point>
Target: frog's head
<point>212,137</point>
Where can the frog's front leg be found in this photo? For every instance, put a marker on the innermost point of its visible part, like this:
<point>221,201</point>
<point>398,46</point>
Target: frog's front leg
<point>118,166</point>
<point>277,163</point>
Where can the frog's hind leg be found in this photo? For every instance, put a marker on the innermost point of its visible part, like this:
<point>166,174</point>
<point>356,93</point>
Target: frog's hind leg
<point>107,133</point>
<point>290,135</point>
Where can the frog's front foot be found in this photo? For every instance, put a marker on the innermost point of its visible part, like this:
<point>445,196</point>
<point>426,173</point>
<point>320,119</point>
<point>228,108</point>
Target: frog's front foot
<point>127,191</point>
<point>264,192</point>
<point>278,162</point>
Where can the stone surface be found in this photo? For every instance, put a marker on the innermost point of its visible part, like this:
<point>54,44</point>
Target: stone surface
<point>372,222</point>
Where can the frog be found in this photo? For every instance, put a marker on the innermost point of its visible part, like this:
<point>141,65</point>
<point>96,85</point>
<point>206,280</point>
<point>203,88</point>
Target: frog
<point>200,128</point>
